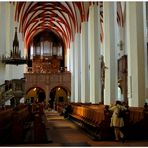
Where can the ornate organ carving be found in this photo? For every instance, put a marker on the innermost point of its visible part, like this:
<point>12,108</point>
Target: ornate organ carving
<point>47,53</point>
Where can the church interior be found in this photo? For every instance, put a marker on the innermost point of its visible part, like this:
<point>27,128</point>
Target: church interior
<point>64,64</point>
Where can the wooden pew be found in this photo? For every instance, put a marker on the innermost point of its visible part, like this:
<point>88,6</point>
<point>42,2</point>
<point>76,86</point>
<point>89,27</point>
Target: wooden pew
<point>92,120</point>
<point>20,116</point>
<point>39,129</point>
<point>13,124</point>
<point>96,121</point>
<point>136,124</point>
<point>5,125</point>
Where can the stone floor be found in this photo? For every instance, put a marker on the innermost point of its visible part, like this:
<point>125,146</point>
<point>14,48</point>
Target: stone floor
<point>62,133</point>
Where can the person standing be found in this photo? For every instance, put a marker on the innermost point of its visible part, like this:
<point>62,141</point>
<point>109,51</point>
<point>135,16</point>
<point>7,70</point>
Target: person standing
<point>117,121</point>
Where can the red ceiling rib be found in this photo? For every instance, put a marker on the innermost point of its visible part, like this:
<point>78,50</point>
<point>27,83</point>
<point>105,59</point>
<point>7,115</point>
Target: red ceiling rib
<point>42,7</point>
<point>61,17</point>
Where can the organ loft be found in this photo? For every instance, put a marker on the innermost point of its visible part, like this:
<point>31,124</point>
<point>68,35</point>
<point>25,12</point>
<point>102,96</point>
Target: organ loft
<point>64,64</point>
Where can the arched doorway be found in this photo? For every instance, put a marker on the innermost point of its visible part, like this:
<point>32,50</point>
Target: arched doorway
<point>58,94</point>
<point>35,94</point>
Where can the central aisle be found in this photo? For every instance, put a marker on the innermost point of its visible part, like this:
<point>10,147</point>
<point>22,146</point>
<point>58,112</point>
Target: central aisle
<point>62,132</point>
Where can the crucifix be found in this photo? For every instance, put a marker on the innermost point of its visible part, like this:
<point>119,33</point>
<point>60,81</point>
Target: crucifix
<point>121,45</point>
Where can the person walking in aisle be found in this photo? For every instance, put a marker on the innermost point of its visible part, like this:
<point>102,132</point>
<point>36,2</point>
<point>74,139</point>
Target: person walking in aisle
<point>117,120</point>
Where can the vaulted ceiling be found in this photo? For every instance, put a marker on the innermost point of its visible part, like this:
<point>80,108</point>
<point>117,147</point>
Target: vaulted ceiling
<point>63,18</point>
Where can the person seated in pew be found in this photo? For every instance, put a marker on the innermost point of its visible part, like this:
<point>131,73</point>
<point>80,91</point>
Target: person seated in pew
<point>67,110</point>
<point>145,106</point>
<point>3,107</point>
<point>117,121</point>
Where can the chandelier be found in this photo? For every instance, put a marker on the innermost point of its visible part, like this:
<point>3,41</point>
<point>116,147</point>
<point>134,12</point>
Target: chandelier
<point>15,54</point>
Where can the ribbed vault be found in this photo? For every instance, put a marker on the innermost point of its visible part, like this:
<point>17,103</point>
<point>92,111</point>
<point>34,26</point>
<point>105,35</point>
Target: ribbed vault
<point>63,18</point>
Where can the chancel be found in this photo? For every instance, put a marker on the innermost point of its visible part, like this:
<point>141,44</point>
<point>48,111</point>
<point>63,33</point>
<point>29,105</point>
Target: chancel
<point>66,65</point>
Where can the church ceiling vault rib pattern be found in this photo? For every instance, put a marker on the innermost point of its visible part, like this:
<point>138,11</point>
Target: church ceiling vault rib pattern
<point>63,18</point>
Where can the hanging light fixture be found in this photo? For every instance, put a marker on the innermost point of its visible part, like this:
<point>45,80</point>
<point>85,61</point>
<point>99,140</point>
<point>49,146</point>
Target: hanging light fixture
<point>15,54</point>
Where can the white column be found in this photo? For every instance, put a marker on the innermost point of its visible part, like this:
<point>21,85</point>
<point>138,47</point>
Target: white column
<point>145,16</point>
<point>3,27</point>
<point>84,63</point>
<point>121,36</point>
<point>8,44</point>
<point>65,58</point>
<point>69,54</point>
<point>72,58</point>
<point>2,42</point>
<point>77,68</point>
<point>68,60</point>
<point>135,48</point>
<point>116,37</point>
<point>95,57</point>
<point>109,47</point>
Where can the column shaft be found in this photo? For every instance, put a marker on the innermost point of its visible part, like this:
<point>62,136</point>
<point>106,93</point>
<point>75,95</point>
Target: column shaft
<point>94,51</point>
<point>84,64</point>
<point>135,48</point>
<point>77,68</point>
<point>109,47</point>
<point>145,17</point>
<point>72,72</point>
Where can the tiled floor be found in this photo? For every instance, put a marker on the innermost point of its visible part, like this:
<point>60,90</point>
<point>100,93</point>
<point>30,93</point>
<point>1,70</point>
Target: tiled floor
<point>63,132</point>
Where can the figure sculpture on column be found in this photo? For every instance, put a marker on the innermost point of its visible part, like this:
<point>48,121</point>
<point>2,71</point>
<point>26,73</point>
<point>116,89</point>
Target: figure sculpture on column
<point>102,78</point>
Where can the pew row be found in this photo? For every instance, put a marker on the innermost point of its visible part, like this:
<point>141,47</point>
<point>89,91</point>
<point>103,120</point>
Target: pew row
<point>20,117</point>
<point>13,123</point>
<point>96,121</point>
<point>5,125</point>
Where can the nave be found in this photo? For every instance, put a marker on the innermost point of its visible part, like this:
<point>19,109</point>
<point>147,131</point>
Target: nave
<point>69,134</point>
<point>63,132</point>
<point>49,128</point>
<point>60,131</point>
